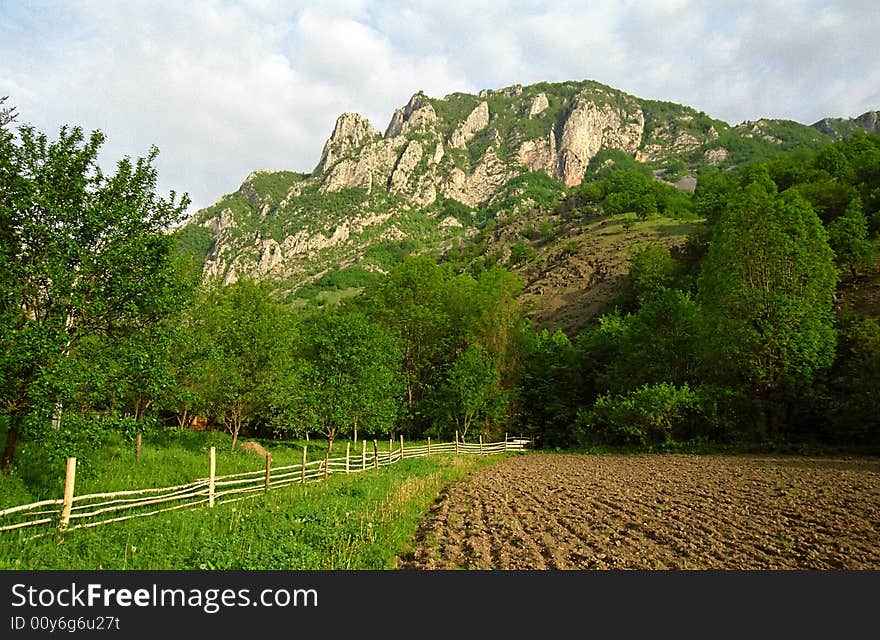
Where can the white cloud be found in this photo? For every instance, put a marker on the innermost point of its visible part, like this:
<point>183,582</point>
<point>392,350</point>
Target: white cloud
<point>225,87</point>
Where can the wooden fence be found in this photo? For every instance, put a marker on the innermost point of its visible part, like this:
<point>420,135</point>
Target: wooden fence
<point>94,509</point>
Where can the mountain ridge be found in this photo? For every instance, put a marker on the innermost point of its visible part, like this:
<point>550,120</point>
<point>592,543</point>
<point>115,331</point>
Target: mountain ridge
<point>444,165</point>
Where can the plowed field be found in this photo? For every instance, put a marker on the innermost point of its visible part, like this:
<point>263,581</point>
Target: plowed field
<point>550,511</point>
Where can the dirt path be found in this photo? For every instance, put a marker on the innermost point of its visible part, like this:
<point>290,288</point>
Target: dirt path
<point>549,511</point>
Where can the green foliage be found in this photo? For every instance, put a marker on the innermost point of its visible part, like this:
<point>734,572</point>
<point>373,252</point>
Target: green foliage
<point>767,138</point>
<point>610,161</point>
<point>345,376</point>
<point>247,341</point>
<point>651,271</point>
<point>533,187</point>
<point>848,237</point>
<point>851,411</point>
<point>521,253</point>
<point>550,390</point>
<point>353,277</point>
<point>275,184</point>
<point>391,252</point>
<point>658,344</point>
<point>648,415</point>
<point>436,316</point>
<point>766,291</point>
<point>81,254</point>
<point>470,394</point>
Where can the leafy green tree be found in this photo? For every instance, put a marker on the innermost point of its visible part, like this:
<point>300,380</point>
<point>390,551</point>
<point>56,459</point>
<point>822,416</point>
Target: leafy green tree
<point>471,392</point>
<point>348,376</point>
<point>521,253</point>
<point>651,270</point>
<point>550,389</point>
<point>658,344</point>
<point>248,336</point>
<point>852,412</point>
<point>766,292</point>
<point>411,302</point>
<point>848,237</point>
<point>647,415</point>
<point>81,254</point>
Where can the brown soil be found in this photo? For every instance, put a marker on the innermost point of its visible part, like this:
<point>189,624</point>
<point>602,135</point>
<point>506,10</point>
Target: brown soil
<point>558,511</point>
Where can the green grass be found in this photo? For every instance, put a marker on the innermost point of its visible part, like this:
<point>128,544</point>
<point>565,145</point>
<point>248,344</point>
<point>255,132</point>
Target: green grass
<point>358,521</point>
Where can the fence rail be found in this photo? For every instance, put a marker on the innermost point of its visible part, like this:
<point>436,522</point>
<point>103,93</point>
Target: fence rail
<point>94,509</point>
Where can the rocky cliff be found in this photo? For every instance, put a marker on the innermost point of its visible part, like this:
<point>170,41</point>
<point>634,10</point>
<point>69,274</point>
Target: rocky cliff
<point>442,161</point>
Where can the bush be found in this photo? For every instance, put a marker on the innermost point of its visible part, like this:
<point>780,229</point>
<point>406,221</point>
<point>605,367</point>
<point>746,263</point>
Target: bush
<point>648,415</point>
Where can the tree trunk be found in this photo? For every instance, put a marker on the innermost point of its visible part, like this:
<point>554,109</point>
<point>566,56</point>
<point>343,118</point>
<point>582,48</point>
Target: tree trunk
<point>11,442</point>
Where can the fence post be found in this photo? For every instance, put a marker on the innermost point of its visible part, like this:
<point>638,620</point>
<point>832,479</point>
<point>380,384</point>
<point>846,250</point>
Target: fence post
<point>137,448</point>
<point>326,463</point>
<point>401,446</point>
<point>456,442</point>
<point>363,455</point>
<point>375,454</point>
<point>69,481</point>
<point>429,445</point>
<point>390,447</point>
<point>212,474</point>
<point>505,441</point>
<point>347,455</point>
<point>481,444</point>
<point>303,475</point>
<point>268,469</point>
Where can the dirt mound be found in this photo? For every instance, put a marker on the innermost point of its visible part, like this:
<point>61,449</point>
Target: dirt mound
<point>657,512</point>
<point>256,447</point>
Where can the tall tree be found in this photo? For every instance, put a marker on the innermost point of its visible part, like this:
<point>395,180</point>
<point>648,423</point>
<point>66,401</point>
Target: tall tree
<point>81,254</point>
<point>247,337</point>
<point>848,236</point>
<point>348,375</point>
<point>766,292</point>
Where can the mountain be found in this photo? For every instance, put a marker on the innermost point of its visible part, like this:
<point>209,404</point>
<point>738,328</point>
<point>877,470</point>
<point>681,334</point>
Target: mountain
<point>474,171</point>
<point>839,128</point>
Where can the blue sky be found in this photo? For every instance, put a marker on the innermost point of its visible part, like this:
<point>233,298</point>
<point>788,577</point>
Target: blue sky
<point>223,87</point>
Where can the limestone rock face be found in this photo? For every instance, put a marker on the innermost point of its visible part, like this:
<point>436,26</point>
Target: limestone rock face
<point>539,105</point>
<point>592,126</point>
<point>419,188</point>
<point>716,156</point>
<point>416,116</point>
<point>870,120</point>
<point>351,131</point>
<point>405,165</point>
<point>488,177</point>
<point>539,154</point>
<point>372,163</point>
<point>475,122</point>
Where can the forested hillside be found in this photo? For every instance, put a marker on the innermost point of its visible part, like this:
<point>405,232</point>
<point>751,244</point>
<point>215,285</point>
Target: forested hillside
<point>744,311</point>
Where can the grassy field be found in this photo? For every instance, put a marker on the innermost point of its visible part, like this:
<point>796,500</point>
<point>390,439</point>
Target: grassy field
<point>360,521</point>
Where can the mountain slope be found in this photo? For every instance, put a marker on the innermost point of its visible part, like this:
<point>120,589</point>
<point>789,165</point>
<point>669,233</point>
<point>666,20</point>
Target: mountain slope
<point>444,167</point>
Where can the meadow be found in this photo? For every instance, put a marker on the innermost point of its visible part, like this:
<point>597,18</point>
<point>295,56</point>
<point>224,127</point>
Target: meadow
<point>358,521</point>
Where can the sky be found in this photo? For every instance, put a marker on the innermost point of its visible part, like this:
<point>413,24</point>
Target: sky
<point>225,87</point>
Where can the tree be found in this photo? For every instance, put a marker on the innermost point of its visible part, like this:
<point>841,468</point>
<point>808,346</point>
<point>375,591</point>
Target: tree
<point>410,301</point>
<point>7,114</point>
<point>658,344</point>
<point>81,254</point>
<point>348,373</point>
<point>247,336</point>
<point>848,237</point>
<point>471,392</point>
<point>766,292</point>
<point>549,389</point>
<point>651,270</point>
